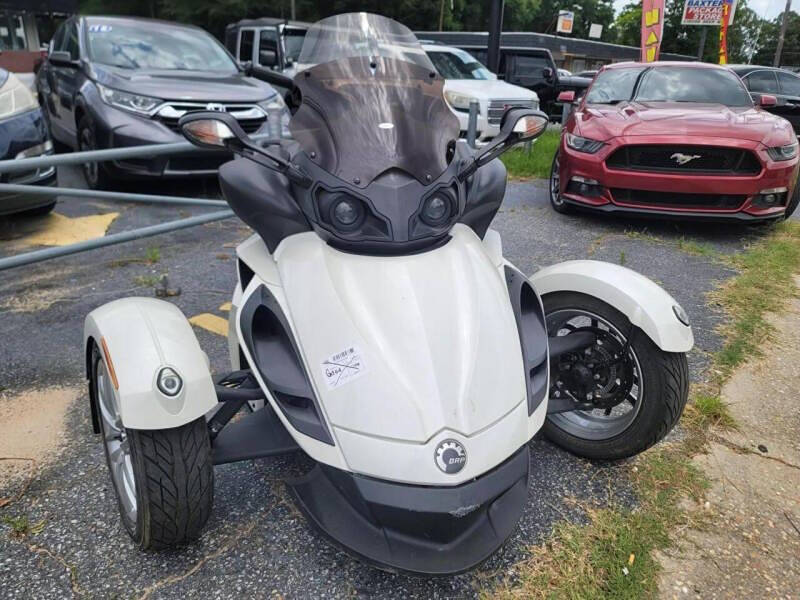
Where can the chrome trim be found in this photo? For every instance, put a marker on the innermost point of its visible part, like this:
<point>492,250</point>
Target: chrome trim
<point>497,106</point>
<point>175,110</point>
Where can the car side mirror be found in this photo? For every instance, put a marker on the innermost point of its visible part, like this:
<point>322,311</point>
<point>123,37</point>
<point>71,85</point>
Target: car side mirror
<point>246,66</point>
<point>767,100</point>
<point>61,58</point>
<point>547,73</point>
<point>267,58</point>
<point>567,97</point>
<point>518,125</point>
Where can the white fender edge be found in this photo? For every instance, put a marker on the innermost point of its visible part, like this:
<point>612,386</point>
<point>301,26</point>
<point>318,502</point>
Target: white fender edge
<point>644,302</point>
<point>140,337</point>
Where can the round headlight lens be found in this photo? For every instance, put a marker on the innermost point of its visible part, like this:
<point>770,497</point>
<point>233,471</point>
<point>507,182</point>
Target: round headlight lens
<point>345,212</point>
<point>436,210</point>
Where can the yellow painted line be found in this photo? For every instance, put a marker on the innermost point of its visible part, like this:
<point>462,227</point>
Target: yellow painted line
<point>58,230</point>
<point>211,323</point>
<point>226,307</point>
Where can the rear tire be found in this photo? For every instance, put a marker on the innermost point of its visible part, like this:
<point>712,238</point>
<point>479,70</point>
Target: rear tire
<point>556,201</point>
<point>663,377</point>
<point>163,478</point>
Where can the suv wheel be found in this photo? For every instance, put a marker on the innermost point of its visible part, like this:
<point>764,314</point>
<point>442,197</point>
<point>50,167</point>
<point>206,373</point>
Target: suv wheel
<point>95,174</point>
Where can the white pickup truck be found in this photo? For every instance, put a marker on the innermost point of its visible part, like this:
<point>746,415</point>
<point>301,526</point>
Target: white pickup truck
<point>465,79</point>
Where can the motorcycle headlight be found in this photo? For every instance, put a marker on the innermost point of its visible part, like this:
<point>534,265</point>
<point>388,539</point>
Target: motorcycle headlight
<point>459,101</point>
<point>436,210</point>
<point>140,105</point>
<point>15,98</point>
<point>346,213</point>
<point>787,152</point>
<point>582,144</point>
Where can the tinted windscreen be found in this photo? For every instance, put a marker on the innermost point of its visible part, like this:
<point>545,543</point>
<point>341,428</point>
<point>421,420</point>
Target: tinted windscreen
<point>688,84</point>
<point>156,46</point>
<point>613,86</point>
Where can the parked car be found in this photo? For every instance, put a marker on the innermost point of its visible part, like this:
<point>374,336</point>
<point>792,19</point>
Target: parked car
<point>564,73</point>
<point>112,82</point>
<point>675,139</point>
<point>587,74</point>
<point>782,84</point>
<point>267,42</point>
<point>466,79</point>
<point>23,134</point>
<point>534,69</point>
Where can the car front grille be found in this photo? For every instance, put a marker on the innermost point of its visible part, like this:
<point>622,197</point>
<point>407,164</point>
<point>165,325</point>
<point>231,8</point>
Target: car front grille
<point>250,116</point>
<point>498,106</point>
<point>678,200</point>
<point>691,160</point>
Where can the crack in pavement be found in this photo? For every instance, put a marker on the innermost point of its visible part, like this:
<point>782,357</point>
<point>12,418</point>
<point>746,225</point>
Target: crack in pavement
<point>744,450</point>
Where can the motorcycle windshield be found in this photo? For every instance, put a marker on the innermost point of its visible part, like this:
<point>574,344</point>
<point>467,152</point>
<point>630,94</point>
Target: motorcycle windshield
<point>371,102</point>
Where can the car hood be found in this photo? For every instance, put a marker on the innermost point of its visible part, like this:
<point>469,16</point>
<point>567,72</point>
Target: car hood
<point>487,89</point>
<point>603,122</point>
<point>184,85</point>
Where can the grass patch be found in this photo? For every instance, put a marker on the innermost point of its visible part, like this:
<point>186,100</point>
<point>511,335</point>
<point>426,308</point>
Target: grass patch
<point>21,526</point>
<point>536,163</point>
<point>697,248</point>
<point>613,555</point>
<point>152,254</point>
<point>146,280</point>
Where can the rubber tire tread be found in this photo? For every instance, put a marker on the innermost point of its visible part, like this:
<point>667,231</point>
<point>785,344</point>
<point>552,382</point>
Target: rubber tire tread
<point>665,377</point>
<point>563,208</point>
<point>174,478</point>
<point>795,200</point>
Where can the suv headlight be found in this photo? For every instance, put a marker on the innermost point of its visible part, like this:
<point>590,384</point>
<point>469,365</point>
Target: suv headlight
<point>787,152</point>
<point>459,101</point>
<point>141,105</point>
<point>277,116</point>
<point>15,98</point>
<point>582,144</point>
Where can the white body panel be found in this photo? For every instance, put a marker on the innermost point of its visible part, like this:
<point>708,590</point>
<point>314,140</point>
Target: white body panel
<point>644,302</point>
<point>142,336</point>
<point>439,340</point>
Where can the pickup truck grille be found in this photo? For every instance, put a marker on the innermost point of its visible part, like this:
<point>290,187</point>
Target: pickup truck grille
<point>250,116</point>
<point>498,106</point>
<point>691,160</point>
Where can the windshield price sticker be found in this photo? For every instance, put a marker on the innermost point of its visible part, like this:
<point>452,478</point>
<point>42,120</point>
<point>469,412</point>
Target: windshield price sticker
<point>343,367</point>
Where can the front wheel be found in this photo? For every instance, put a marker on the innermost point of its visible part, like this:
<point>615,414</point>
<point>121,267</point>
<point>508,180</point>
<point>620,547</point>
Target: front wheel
<point>627,392</point>
<point>163,478</point>
<point>556,199</point>
<point>793,201</point>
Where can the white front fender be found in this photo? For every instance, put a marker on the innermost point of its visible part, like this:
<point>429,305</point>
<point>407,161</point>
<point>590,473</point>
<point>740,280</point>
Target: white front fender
<point>644,302</point>
<point>139,336</point>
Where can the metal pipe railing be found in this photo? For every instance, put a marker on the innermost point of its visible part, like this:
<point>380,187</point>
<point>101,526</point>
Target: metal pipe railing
<point>42,190</point>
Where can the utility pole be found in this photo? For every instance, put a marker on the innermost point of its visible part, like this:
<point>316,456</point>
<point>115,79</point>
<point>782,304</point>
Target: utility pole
<point>441,16</point>
<point>702,47</point>
<point>294,12</point>
<point>495,29</point>
<point>782,34</point>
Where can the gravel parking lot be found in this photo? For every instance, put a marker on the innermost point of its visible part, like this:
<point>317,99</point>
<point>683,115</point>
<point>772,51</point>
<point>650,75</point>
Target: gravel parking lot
<point>256,544</point>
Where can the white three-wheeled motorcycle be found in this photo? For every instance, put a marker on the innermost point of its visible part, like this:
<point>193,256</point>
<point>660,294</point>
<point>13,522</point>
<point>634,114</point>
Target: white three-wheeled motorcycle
<point>377,327</point>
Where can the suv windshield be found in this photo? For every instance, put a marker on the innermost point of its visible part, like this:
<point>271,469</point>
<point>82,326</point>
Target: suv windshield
<point>668,84</point>
<point>153,45</point>
<point>457,64</point>
<point>293,42</point>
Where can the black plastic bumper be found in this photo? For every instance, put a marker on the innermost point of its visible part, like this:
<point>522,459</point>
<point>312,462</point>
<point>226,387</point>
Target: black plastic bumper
<point>420,529</point>
<point>683,215</point>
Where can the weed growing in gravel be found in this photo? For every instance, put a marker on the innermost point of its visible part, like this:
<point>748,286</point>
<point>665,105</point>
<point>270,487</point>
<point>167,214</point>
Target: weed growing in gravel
<point>697,248</point>
<point>612,556</point>
<point>146,280</point>
<point>21,526</point>
<point>153,254</point>
<point>522,164</point>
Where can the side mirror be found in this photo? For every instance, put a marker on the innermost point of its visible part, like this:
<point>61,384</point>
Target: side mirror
<point>60,58</point>
<point>767,100</point>
<point>547,73</point>
<point>518,125</point>
<point>567,97</point>
<point>214,130</point>
<point>267,58</point>
<point>246,66</point>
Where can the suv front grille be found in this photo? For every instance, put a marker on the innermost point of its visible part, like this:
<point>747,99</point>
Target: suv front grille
<point>497,107</point>
<point>678,200</point>
<point>250,116</point>
<point>691,160</point>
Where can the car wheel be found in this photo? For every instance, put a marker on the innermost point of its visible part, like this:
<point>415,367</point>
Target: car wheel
<point>792,206</point>
<point>96,176</point>
<point>556,201</point>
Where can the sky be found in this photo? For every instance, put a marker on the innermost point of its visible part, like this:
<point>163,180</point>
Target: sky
<point>765,8</point>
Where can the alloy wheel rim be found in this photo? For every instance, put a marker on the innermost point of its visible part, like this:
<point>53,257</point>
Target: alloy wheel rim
<point>596,424</point>
<point>87,144</point>
<point>117,444</point>
<point>555,183</point>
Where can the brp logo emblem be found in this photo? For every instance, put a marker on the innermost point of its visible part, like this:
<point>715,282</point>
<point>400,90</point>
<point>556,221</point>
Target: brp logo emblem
<point>450,456</point>
<point>215,107</point>
<point>682,159</point>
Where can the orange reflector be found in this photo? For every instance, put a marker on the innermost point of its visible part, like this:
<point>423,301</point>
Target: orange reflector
<point>109,364</point>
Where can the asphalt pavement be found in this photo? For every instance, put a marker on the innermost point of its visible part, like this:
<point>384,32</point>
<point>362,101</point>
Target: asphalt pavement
<point>256,544</point>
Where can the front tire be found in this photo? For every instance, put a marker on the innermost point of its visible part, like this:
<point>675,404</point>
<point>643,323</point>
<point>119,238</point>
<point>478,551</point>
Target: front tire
<point>96,176</point>
<point>652,386</point>
<point>556,200</point>
<point>163,478</point>
<point>793,202</point>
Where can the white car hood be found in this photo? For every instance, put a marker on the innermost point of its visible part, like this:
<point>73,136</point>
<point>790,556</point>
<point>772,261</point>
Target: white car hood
<point>487,89</point>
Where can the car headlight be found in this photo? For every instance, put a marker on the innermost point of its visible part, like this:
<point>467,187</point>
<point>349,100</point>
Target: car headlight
<point>582,144</point>
<point>141,105</point>
<point>37,150</point>
<point>787,152</point>
<point>459,101</point>
<point>15,98</point>
<point>278,115</point>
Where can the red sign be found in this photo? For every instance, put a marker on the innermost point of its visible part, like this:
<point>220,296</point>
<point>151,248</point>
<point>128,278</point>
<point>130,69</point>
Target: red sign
<point>652,29</point>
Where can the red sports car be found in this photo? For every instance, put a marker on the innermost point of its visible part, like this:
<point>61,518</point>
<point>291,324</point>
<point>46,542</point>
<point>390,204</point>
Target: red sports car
<point>675,139</point>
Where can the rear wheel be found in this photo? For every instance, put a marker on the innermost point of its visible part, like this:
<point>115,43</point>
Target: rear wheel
<point>627,392</point>
<point>556,200</point>
<point>163,478</point>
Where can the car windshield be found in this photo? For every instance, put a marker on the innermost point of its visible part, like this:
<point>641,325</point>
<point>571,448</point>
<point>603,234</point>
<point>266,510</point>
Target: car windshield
<point>457,64</point>
<point>668,84</point>
<point>293,41</point>
<point>372,102</point>
<point>153,45</point>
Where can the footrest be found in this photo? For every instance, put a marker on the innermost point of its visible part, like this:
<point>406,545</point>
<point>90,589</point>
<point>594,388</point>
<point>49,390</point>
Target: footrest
<point>255,435</point>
